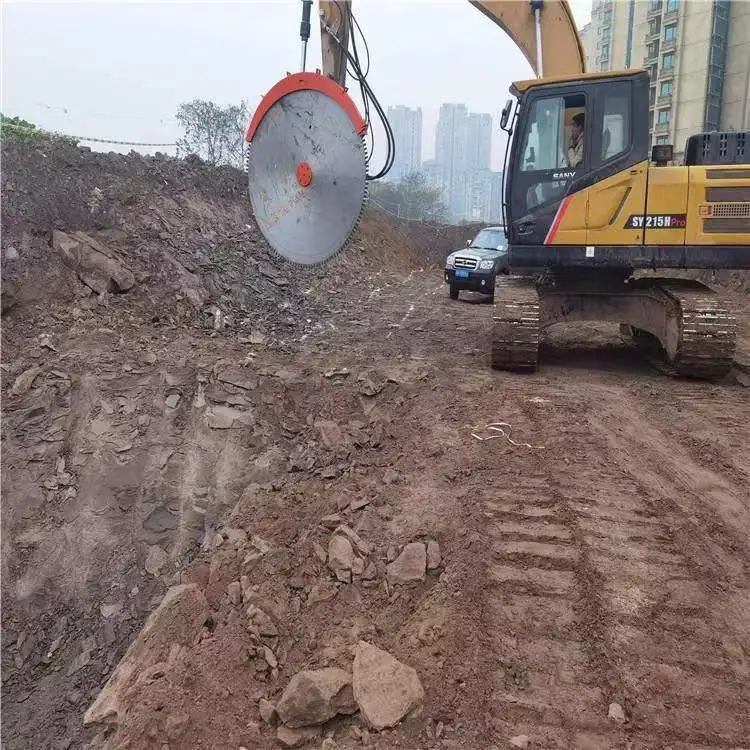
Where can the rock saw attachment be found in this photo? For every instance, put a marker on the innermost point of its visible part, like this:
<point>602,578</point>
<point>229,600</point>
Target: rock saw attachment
<point>307,167</point>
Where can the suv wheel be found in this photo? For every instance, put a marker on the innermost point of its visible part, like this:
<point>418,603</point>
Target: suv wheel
<point>454,291</point>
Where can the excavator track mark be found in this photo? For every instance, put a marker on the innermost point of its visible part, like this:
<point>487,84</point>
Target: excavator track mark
<point>515,329</point>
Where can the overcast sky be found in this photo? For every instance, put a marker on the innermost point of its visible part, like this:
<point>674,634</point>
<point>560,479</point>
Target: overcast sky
<point>119,70</point>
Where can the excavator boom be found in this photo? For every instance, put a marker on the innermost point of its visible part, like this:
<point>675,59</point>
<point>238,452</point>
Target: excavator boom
<point>541,29</point>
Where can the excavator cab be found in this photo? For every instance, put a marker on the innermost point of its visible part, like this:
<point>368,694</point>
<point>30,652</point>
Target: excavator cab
<point>549,194</point>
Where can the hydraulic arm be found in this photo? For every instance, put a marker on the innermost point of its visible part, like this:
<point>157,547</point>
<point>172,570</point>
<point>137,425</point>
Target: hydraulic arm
<point>541,29</point>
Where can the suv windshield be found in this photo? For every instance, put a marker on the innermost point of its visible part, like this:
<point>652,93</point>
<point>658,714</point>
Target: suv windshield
<point>490,239</point>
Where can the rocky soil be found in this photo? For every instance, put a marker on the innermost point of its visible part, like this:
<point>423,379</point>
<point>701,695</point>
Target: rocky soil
<point>248,505</point>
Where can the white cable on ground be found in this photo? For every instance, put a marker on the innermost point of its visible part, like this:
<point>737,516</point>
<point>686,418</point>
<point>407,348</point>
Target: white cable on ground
<point>498,429</point>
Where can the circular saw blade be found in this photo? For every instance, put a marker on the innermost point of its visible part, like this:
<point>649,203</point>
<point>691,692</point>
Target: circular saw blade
<point>307,176</point>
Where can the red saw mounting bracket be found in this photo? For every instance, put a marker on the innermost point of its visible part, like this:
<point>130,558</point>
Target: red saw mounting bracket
<point>307,82</point>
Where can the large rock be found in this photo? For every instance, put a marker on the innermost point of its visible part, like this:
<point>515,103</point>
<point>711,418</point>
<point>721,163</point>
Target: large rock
<point>385,689</point>
<point>410,565</point>
<point>95,264</point>
<point>177,620</point>
<point>315,696</point>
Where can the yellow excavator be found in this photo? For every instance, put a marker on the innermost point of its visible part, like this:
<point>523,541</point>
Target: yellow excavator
<point>582,218</point>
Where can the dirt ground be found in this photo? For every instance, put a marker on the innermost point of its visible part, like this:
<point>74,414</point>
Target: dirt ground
<point>598,554</point>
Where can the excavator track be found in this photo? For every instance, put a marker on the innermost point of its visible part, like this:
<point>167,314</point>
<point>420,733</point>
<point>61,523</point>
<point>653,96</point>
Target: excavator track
<point>708,331</point>
<point>697,331</point>
<point>515,329</point>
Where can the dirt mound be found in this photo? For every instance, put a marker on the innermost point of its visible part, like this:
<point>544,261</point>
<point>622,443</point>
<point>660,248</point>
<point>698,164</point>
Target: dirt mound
<point>399,244</point>
<point>185,235</point>
<point>181,230</point>
<point>141,306</point>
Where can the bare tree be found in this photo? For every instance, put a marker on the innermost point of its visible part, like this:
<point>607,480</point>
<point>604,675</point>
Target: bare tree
<point>412,197</point>
<point>216,134</point>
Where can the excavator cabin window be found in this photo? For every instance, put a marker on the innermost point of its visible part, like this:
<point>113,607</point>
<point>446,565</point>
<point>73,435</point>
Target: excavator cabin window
<point>555,143</point>
<point>568,135</point>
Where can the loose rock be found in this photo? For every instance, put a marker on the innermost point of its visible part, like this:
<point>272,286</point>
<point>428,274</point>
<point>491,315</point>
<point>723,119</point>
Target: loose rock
<point>385,689</point>
<point>332,521</point>
<point>315,696</point>
<point>262,621</point>
<point>433,555</point>
<point>172,400</point>
<point>268,712</point>
<point>520,740</point>
<point>344,576</point>
<point>360,502</point>
<point>235,592</point>
<point>24,381</point>
<point>270,657</point>
<point>616,713</point>
<point>178,619</point>
<point>340,553</point>
<point>94,264</point>
<point>362,546</point>
<point>320,552</point>
<point>322,591</point>
<point>297,737</point>
<point>410,565</point>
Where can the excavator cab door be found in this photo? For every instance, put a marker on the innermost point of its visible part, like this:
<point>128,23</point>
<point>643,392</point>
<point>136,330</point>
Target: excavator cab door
<point>553,180</point>
<point>542,172</point>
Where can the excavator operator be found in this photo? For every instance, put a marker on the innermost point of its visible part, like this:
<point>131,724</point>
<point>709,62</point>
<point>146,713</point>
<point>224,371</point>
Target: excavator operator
<point>575,150</point>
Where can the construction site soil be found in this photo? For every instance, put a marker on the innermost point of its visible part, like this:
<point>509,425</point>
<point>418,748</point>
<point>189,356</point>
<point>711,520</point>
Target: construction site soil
<point>183,413</point>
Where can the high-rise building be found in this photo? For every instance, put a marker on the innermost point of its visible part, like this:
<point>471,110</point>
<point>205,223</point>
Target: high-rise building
<point>450,136</point>
<point>586,33</point>
<point>407,133</point>
<point>450,153</point>
<point>479,141</point>
<point>463,146</point>
<point>697,53</point>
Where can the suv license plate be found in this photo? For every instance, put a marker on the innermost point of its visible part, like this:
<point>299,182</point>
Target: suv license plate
<point>462,274</point>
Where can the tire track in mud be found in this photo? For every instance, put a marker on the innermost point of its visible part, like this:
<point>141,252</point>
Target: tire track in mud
<point>597,599</point>
<point>710,421</point>
<point>716,505</point>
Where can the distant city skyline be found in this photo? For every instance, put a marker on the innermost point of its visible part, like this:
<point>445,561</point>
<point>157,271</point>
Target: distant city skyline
<point>461,160</point>
<point>485,129</point>
<point>430,117</point>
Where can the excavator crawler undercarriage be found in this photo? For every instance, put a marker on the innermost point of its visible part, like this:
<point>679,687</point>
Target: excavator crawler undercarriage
<point>682,321</point>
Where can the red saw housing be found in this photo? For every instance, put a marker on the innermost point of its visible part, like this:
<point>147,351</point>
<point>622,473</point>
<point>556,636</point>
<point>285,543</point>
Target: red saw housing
<point>299,82</point>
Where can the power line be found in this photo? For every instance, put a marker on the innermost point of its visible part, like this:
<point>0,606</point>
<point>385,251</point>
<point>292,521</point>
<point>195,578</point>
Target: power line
<point>67,111</point>
<point>111,141</point>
